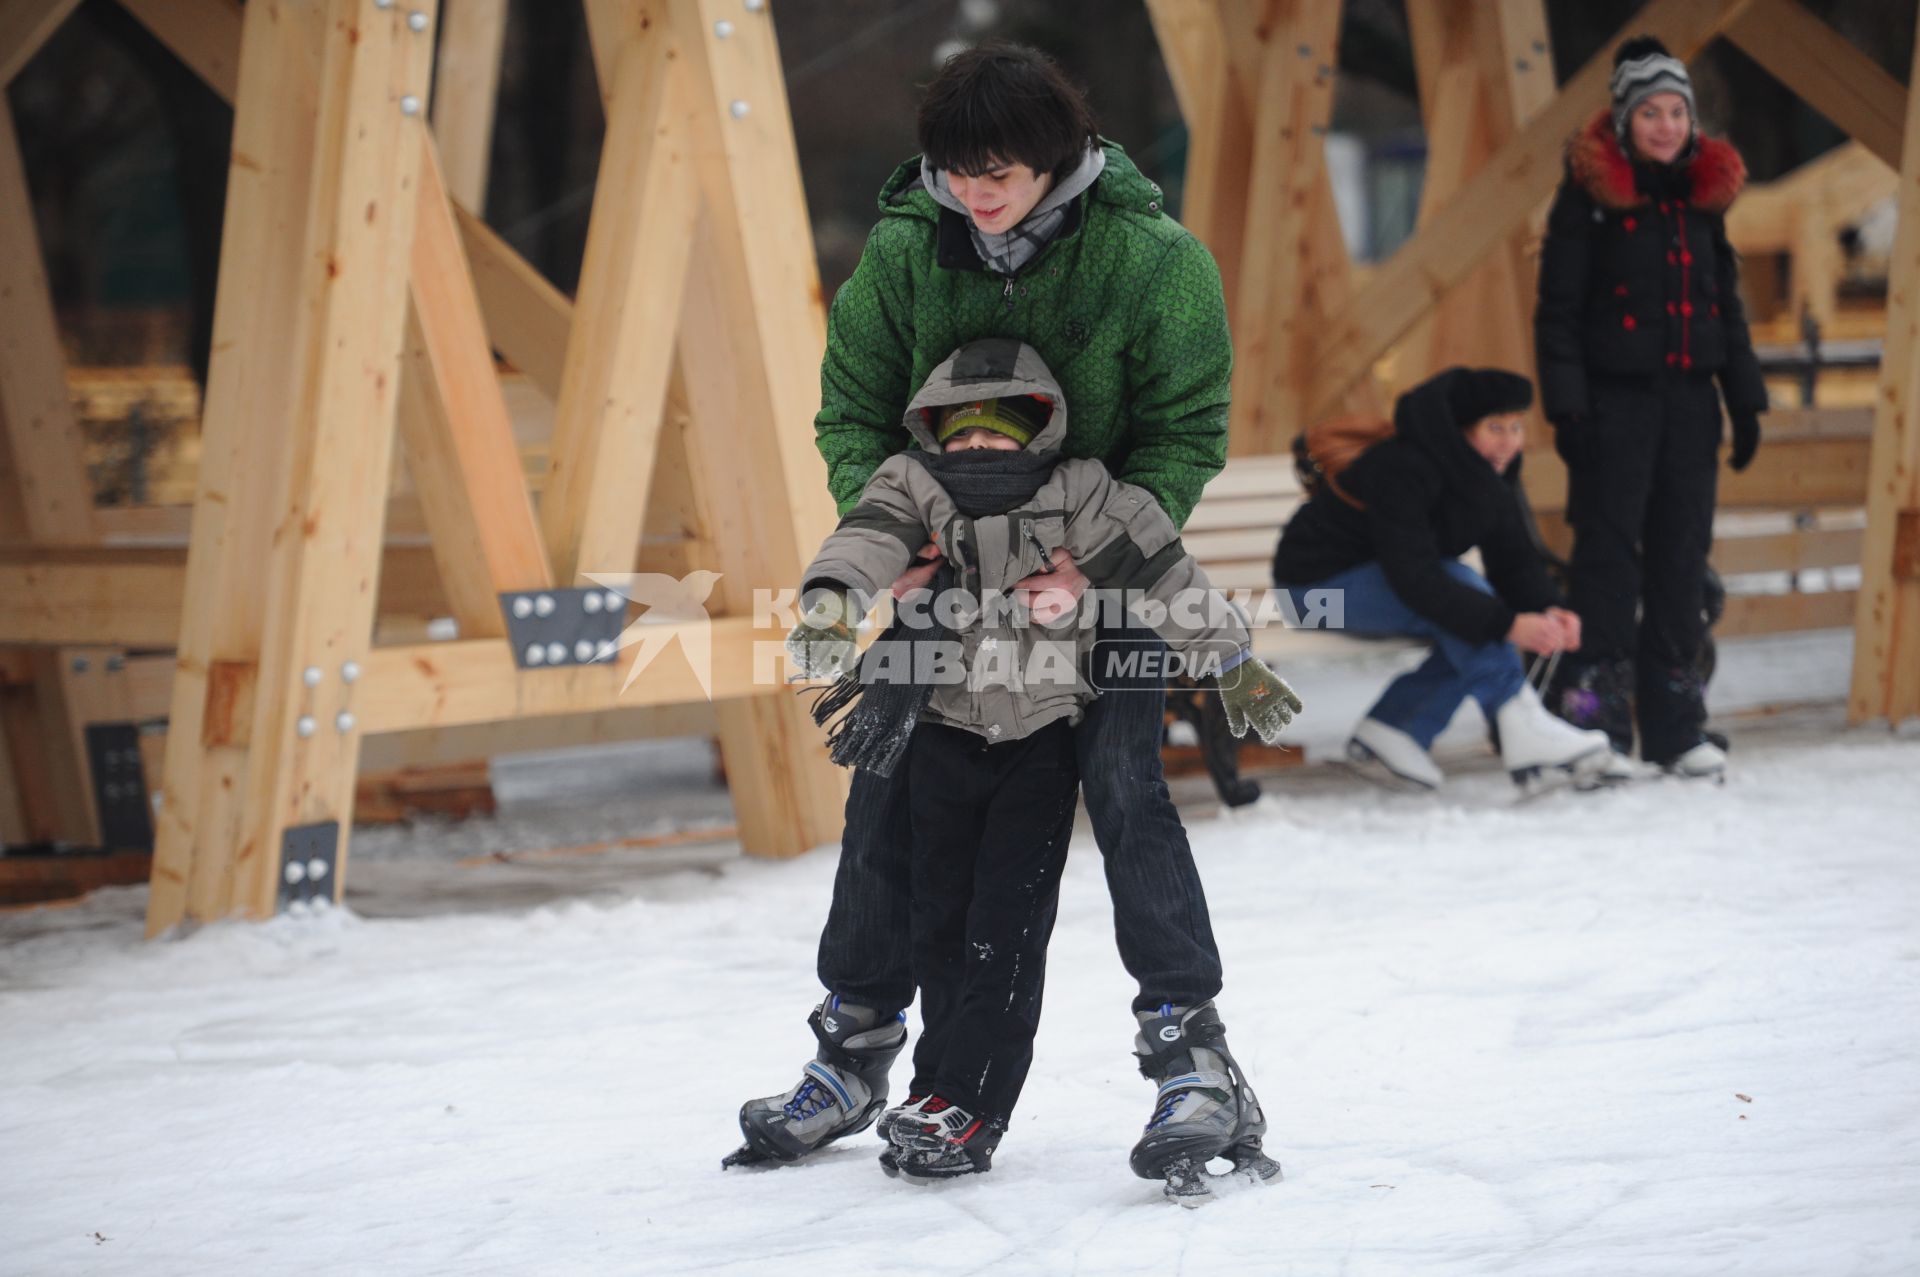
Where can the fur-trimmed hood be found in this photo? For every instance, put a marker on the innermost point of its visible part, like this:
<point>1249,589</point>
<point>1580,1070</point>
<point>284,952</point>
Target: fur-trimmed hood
<point>1595,158</point>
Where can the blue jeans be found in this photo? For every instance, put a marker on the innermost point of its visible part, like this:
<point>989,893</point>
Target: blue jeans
<point>1160,916</point>
<point>1421,702</point>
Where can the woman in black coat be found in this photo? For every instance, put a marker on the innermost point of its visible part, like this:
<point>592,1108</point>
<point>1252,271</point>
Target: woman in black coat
<point>1376,551</point>
<point>1639,316</point>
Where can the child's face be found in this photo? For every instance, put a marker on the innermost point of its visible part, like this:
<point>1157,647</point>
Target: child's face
<point>979,437</point>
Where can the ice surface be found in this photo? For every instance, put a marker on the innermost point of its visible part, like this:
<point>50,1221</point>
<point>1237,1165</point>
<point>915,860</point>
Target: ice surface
<point>1490,1039</point>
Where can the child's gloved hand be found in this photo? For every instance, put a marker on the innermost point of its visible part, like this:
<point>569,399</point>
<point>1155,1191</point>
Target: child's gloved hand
<point>1257,697</point>
<point>821,645</point>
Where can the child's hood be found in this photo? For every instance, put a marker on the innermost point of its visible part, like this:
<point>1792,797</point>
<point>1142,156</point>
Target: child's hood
<point>990,368</point>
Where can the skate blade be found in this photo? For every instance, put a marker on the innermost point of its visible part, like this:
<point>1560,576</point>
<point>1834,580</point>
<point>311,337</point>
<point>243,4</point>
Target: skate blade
<point>1189,1184</point>
<point>1366,764</point>
<point>748,1155</point>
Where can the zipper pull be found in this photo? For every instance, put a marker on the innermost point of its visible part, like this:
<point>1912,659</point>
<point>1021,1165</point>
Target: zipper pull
<point>1007,294</point>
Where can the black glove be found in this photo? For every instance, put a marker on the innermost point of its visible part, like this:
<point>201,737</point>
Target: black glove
<point>1746,438</point>
<point>1570,438</point>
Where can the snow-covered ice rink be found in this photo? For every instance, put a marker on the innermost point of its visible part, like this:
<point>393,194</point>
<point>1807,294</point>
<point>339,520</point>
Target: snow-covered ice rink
<point>1667,1030</point>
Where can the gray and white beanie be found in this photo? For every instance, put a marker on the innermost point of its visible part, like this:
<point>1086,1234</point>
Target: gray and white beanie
<point>1637,79</point>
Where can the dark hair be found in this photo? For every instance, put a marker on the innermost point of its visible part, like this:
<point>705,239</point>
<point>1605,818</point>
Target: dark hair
<point>1004,103</point>
<point>1638,47</point>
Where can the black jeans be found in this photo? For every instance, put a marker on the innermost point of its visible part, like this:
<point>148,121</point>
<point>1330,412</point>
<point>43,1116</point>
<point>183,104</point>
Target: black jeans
<point>1159,909</point>
<point>1641,504</point>
<point>990,834</point>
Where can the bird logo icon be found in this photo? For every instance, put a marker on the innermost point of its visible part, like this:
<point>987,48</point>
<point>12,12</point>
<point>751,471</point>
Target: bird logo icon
<point>676,612</point>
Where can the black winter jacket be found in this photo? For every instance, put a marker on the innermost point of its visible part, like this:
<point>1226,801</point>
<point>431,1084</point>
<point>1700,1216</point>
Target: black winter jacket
<point>1428,496</point>
<point>1637,276</point>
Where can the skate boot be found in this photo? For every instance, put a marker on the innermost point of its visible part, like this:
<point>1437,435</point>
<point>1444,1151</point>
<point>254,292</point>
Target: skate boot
<point>1388,756</point>
<point>1705,761</point>
<point>1533,743</point>
<point>1204,1109</point>
<point>937,1139</point>
<point>884,1127</point>
<point>841,1091</point>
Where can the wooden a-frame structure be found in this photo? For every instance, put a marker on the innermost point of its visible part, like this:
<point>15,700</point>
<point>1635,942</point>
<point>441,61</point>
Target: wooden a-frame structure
<point>1254,80</point>
<point>358,309</point>
<point>362,299</point>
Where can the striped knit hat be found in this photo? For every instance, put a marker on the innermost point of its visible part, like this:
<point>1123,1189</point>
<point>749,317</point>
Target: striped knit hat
<point>1642,67</point>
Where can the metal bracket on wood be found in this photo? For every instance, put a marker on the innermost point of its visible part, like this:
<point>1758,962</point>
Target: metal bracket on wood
<point>308,859</point>
<point>550,628</point>
<point>119,785</point>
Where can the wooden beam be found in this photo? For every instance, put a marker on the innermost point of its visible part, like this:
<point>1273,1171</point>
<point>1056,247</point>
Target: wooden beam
<point>455,434</point>
<point>527,318</point>
<point>466,81</point>
<point>614,389</point>
<point>1830,73</point>
<point>44,437</point>
<point>253,380</point>
<point>1782,613</point>
<point>1832,192</point>
<point>753,331</point>
<point>25,25</point>
<point>204,34</point>
<point>1292,109</point>
<point>1217,107</point>
<point>320,599</point>
<point>1489,208</point>
<point>1886,646</point>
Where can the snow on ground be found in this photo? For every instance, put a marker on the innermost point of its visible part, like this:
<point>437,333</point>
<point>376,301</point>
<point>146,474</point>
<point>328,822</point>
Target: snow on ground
<point>1665,1030</point>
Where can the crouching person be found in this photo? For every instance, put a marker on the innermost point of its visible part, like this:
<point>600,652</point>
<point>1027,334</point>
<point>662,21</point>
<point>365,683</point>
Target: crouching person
<point>1385,531</point>
<point>978,703</point>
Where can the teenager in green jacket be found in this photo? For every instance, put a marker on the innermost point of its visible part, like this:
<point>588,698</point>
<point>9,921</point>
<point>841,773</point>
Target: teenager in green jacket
<point>1019,221</point>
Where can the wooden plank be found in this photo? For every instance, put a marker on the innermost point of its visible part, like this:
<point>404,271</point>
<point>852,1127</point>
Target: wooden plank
<point>428,745</point>
<point>476,681</point>
<point>134,597</point>
<point>1782,613</point>
<point>1834,77</point>
<point>1886,648</point>
<point>1490,208</point>
<point>204,34</point>
<point>466,81</point>
<point>25,25</point>
<point>44,438</point>
<point>613,391</point>
<point>455,433</point>
<point>13,805</point>
<point>1798,551</point>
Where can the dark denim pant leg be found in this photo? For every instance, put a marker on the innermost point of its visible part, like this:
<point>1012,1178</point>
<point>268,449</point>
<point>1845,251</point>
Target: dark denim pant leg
<point>866,946</point>
<point>1159,908</point>
<point>1489,672</point>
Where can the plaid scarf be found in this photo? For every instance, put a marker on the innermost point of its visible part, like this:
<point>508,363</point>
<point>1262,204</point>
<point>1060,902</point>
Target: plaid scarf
<point>1010,250</point>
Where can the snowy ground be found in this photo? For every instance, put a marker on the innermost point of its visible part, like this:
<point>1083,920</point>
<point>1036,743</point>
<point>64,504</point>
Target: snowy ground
<point>1666,1030</point>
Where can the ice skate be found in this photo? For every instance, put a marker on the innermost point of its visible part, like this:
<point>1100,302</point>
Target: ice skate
<point>840,1092</point>
<point>1615,770</point>
<point>938,1140</point>
<point>1705,761</point>
<point>1204,1109</point>
<point>1540,749</point>
<point>1389,757</point>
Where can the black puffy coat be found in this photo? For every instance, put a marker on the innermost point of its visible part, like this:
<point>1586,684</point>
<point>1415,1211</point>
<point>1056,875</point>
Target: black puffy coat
<point>1637,276</point>
<point>1428,496</point>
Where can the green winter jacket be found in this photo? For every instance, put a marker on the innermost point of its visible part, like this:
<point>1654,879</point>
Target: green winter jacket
<point>1124,305</point>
